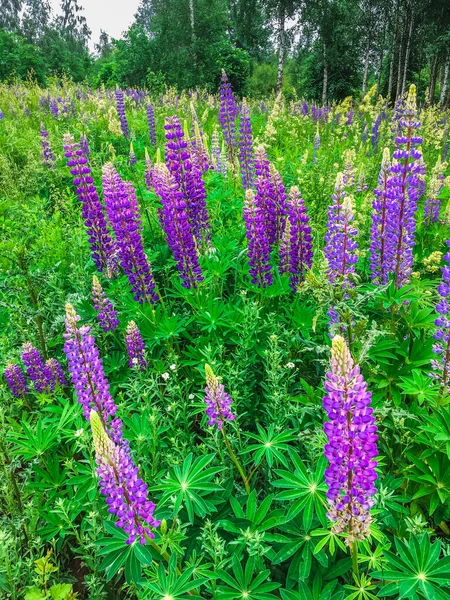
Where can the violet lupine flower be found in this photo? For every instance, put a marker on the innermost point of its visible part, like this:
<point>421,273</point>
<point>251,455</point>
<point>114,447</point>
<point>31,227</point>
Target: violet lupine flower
<point>305,109</point>
<point>123,214</point>
<point>218,402</point>
<point>122,113</point>
<point>351,449</point>
<point>135,347</point>
<point>103,305</point>
<point>148,171</point>
<point>199,153</point>
<point>270,196</point>
<point>340,239</point>
<point>87,375</point>
<point>102,245</point>
<point>375,131</point>
<point>258,251</point>
<point>380,248</point>
<point>300,252</point>
<point>36,370</point>
<point>84,146</point>
<point>126,493</point>
<point>403,193</point>
<point>151,124</point>
<point>175,222</point>
<point>57,372</point>
<point>433,202</point>
<point>47,155</point>
<point>188,176</point>
<point>2,115</point>
<point>16,380</point>
<point>228,112</point>
<point>53,105</point>
<point>132,155</point>
<point>246,148</point>
<point>441,365</point>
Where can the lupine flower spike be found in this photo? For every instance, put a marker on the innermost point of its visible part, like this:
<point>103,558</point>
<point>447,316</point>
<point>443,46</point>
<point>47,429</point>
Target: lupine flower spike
<point>380,248</point>
<point>103,305</point>
<point>135,347</point>
<point>218,402</point>
<point>126,493</point>
<point>228,112</point>
<point>151,124</point>
<point>441,365</point>
<point>57,372</point>
<point>47,155</point>
<point>258,245</point>
<point>246,148</point>
<point>16,380</point>
<point>121,113</point>
<point>351,449</point>
<point>36,370</point>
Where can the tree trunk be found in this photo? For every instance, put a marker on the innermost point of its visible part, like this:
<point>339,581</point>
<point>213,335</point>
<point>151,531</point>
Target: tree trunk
<point>433,77</point>
<point>325,77</point>
<point>391,65</point>
<point>192,18</point>
<point>366,69</point>
<point>281,49</point>
<point>381,60</point>
<point>445,79</point>
<point>408,50</point>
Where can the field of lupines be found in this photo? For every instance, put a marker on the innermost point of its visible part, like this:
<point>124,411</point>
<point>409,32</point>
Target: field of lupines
<point>225,345</point>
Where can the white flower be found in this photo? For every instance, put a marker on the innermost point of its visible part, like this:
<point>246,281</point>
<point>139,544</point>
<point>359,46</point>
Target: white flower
<point>173,367</point>
<point>290,365</point>
<point>165,376</point>
<point>79,432</point>
<point>191,396</point>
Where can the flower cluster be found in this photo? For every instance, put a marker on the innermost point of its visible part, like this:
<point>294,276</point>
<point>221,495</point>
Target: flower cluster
<point>123,214</point>
<point>433,203</point>
<point>47,155</point>
<point>99,237</point>
<point>218,402</point>
<point>228,113</point>
<point>121,113</point>
<point>38,372</point>
<point>151,124</point>
<point>57,373</point>
<point>351,448</point>
<point>441,365</point>
<point>103,305</point>
<point>379,242</point>
<point>246,147</point>
<point>175,222</point>
<point>16,380</point>
<point>258,244</point>
<point>125,491</point>
<point>135,347</point>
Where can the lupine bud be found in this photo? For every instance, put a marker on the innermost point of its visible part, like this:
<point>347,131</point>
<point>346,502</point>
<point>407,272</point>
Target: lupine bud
<point>148,171</point>
<point>132,155</point>
<point>16,380</point>
<point>103,305</point>
<point>351,449</point>
<point>57,372</point>
<point>135,347</point>
<point>218,402</point>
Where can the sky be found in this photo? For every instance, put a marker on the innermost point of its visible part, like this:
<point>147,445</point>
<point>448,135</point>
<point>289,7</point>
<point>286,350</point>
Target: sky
<point>113,16</point>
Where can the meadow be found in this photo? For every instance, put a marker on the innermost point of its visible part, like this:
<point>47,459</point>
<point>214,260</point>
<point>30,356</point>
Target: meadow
<point>225,346</point>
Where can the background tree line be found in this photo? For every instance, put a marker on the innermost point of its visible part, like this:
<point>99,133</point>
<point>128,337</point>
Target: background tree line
<point>318,49</point>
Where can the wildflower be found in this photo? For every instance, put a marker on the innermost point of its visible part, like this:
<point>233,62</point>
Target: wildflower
<point>228,112</point>
<point>47,155</point>
<point>126,493</point>
<point>105,310</point>
<point>258,245</point>
<point>351,447</point>
<point>37,371</point>
<point>16,380</point>
<point>56,371</point>
<point>165,376</point>
<point>218,402</point>
<point>121,113</point>
<point>441,365</point>
<point>173,367</point>
<point>151,124</point>
<point>246,147</point>
<point>148,171</point>
<point>290,365</point>
<point>380,248</point>
<point>135,347</point>
<point>131,155</point>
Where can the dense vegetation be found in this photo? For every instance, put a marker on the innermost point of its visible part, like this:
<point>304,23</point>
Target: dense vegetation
<point>249,237</point>
<point>323,50</point>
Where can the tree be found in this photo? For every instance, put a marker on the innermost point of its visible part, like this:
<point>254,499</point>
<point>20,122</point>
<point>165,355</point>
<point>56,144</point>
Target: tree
<point>10,14</point>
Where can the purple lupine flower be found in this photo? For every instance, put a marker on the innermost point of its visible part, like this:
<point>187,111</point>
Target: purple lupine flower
<point>103,305</point>
<point>305,109</point>
<point>246,148</point>
<point>36,370</point>
<point>53,105</point>
<point>2,115</point>
<point>270,196</point>
<point>349,120</point>
<point>131,155</point>
<point>122,113</point>
<point>151,124</point>
<point>135,347</point>
<point>199,153</point>
<point>148,171</point>
<point>87,374</point>
<point>16,380</point>
<point>102,245</point>
<point>258,244</point>
<point>375,131</point>
<point>126,493</point>
<point>365,133</point>
<point>123,214</point>
<point>47,155</point>
<point>441,365</point>
<point>228,112</point>
<point>361,186</point>
<point>57,372</point>
<point>340,238</point>
<point>175,222</point>
<point>299,252</point>
<point>403,194</point>
<point>188,176</point>
<point>351,449</point>
<point>84,146</point>
<point>380,248</point>
<point>433,202</point>
<point>218,402</point>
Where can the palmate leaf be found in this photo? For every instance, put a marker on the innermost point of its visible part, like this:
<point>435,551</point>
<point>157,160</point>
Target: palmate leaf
<point>433,475</point>
<point>305,488</point>
<point>416,570</point>
<point>189,485</point>
<point>172,584</point>
<point>243,585</point>
<point>270,445</point>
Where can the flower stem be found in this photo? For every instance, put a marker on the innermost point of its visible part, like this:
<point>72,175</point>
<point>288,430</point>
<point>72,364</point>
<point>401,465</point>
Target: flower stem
<point>236,462</point>
<point>354,553</point>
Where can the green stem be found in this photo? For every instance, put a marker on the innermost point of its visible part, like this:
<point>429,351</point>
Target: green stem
<point>354,553</point>
<point>235,460</point>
